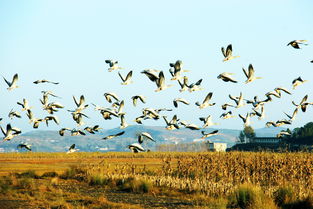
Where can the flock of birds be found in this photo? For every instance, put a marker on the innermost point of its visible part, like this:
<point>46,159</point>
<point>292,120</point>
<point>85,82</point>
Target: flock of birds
<point>176,71</point>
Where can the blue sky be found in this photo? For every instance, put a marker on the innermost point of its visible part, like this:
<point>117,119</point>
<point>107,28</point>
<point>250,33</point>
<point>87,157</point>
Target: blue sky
<point>68,41</point>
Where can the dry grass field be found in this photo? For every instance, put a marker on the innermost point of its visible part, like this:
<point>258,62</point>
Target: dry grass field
<point>156,180</point>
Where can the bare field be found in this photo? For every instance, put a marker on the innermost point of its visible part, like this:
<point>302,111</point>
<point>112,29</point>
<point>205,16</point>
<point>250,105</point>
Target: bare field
<point>156,180</point>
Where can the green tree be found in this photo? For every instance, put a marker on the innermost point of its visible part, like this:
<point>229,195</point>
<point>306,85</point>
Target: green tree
<point>246,134</point>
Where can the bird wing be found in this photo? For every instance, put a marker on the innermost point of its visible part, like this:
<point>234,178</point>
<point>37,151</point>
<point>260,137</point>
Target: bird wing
<point>72,147</point>
<point>251,70</point>
<point>223,51</point>
<point>208,97</point>
<point>161,79</point>
<point>245,72</point>
<point>15,78</point>
<point>75,100</point>
<point>121,77</point>
<point>129,75</point>
<point>9,84</point>
<point>229,50</point>
<point>304,99</point>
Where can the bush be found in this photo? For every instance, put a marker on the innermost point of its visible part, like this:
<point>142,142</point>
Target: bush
<point>250,197</point>
<point>283,195</point>
<point>74,173</point>
<point>27,174</point>
<point>134,185</point>
<point>49,174</point>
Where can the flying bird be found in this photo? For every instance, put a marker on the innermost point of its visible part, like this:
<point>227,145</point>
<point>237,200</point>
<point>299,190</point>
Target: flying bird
<point>207,121</point>
<point>10,132</point>
<point>228,53</point>
<point>26,146</point>
<point>127,80</point>
<point>135,148</point>
<point>113,65</point>
<point>13,114</point>
<point>93,129</point>
<point>295,43</point>
<point>140,97</point>
<point>45,81</point>
<point>72,149</point>
<point>226,77</point>
<point>12,85</point>
<point>205,102</point>
<point>206,135</point>
<point>160,82</point>
<point>114,135</point>
<point>298,81</point>
<point>152,74</point>
<point>250,74</point>
<point>181,100</point>
<point>110,95</point>
<point>238,100</point>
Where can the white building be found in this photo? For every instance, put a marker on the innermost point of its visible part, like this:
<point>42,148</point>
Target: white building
<point>217,147</point>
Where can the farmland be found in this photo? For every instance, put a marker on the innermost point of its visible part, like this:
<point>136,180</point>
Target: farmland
<point>156,180</point>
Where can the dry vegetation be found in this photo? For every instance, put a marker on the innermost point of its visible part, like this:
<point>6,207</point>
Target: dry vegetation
<point>157,180</point>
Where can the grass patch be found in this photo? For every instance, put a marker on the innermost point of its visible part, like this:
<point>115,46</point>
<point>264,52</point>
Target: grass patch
<point>249,196</point>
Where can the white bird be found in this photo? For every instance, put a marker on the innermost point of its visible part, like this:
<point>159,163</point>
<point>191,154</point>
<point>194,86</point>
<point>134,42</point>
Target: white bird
<point>195,86</point>
<point>207,121</point>
<point>109,95</point>
<point>24,105</point>
<point>295,43</point>
<point>298,81</point>
<point>13,114</point>
<point>293,116</point>
<point>206,135</point>
<point>12,85</point>
<point>44,81</point>
<point>135,148</point>
<point>238,100</point>
<point>189,125</point>
<point>26,146</point>
<point>114,135</point>
<point>32,119</point>
<point>183,84</point>
<point>152,74</point>
<point>228,53</point>
<point>77,132</point>
<point>227,115</point>
<point>177,70</point>
<point>140,97</point>
<point>144,135</point>
<point>226,77</point>
<point>127,80</point>
<point>10,132</point>
<point>92,129</point>
<point>62,131</point>
<point>250,74</point>
<point>72,149</point>
<point>283,133</point>
<point>182,100</point>
<point>53,118</point>
<point>81,104</point>
<point>205,102</point>
<point>123,123</point>
<point>113,65</point>
<point>261,114</point>
<point>160,82</point>
<point>172,124</point>
<point>303,104</point>
<point>246,120</point>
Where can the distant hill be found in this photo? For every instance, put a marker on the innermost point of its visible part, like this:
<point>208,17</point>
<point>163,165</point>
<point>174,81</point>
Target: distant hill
<point>51,141</point>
